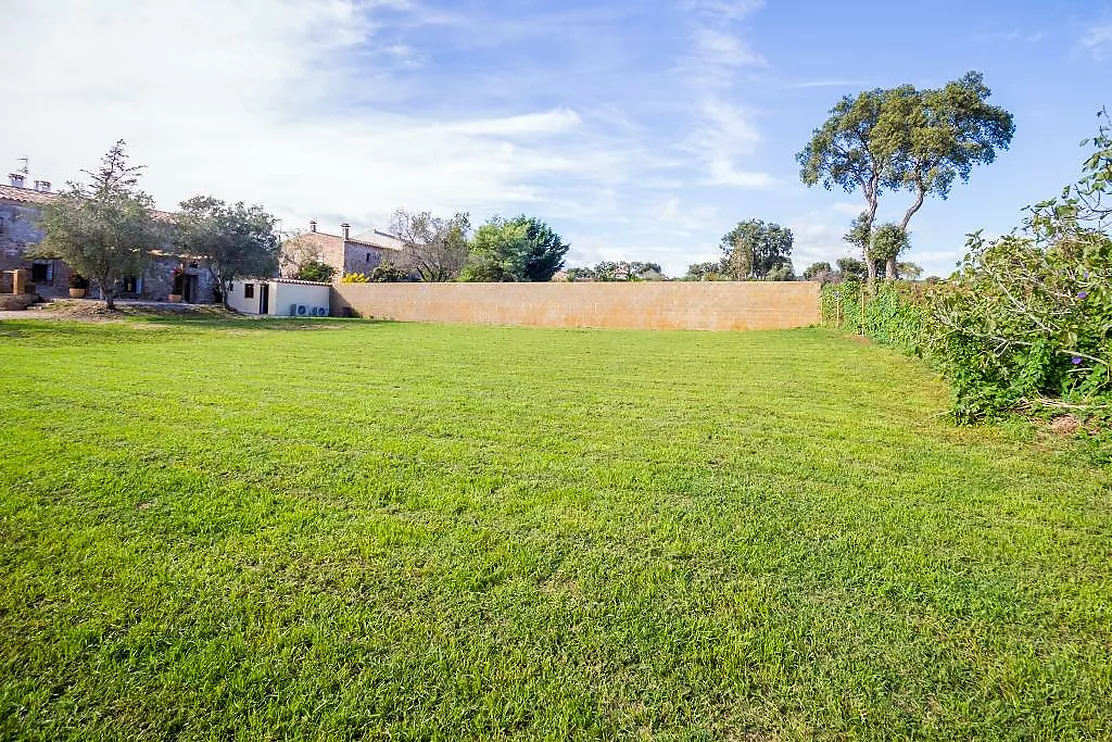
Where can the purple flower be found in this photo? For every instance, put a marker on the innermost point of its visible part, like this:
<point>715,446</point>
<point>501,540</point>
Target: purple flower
<point>1075,361</point>
<point>1082,294</point>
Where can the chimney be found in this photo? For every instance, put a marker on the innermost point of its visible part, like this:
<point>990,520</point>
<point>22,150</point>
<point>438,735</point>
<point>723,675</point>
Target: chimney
<point>42,186</point>
<point>312,225</point>
<point>347,231</point>
<point>16,179</point>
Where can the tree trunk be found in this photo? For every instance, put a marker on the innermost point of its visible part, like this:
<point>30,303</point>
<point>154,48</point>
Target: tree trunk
<point>890,269</point>
<point>921,194</point>
<point>870,269</point>
<point>870,264</point>
<point>106,293</point>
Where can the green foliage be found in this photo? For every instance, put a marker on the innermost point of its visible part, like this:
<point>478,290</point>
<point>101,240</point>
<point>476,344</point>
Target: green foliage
<point>754,249</point>
<point>1026,322</point>
<point>315,270</point>
<point>236,240</point>
<point>895,314</point>
<point>908,270</point>
<point>387,272</point>
<point>609,270</point>
<point>851,269</point>
<point>904,139</point>
<point>1028,316</point>
<point>782,272</point>
<point>104,229</point>
<point>435,248</point>
<point>714,270</point>
<point>888,241</point>
<point>78,281</point>
<point>815,270</point>
<point>519,249</point>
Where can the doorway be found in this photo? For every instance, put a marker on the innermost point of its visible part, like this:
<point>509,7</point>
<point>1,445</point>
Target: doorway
<point>264,298</point>
<point>190,287</point>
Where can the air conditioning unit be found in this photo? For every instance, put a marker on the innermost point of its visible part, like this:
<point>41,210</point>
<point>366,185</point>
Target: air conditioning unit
<point>322,311</point>
<point>302,310</point>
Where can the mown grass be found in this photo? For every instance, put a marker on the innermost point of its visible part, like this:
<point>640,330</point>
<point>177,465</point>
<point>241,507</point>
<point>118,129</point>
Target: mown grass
<point>214,530</point>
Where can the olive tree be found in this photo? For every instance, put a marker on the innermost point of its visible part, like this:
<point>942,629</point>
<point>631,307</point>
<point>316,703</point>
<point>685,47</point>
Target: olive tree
<point>104,229</point>
<point>236,241</point>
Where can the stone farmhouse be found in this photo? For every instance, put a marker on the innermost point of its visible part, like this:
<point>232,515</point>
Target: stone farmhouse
<point>20,205</point>
<point>361,253</point>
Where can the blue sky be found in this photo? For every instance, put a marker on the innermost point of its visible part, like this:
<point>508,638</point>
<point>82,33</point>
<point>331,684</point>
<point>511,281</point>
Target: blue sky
<point>639,130</point>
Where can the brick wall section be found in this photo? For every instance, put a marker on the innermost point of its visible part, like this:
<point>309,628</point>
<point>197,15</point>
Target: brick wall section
<point>675,305</point>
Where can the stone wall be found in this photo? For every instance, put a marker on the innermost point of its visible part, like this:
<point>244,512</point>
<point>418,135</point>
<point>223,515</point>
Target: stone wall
<point>360,258</point>
<point>674,305</point>
<point>18,232</point>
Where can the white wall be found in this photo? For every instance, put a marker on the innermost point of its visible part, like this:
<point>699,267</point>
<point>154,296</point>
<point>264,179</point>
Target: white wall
<point>282,295</point>
<point>237,301</point>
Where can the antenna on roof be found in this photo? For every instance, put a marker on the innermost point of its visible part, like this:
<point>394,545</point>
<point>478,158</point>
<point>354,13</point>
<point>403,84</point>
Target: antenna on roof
<point>26,165</point>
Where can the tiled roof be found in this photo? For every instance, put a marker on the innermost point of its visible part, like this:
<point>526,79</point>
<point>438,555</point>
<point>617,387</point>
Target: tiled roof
<point>38,198</point>
<point>378,238</point>
<point>374,238</point>
<point>298,281</point>
<point>25,195</point>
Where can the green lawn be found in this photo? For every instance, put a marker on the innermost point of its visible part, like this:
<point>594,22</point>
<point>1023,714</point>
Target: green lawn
<point>260,530</point>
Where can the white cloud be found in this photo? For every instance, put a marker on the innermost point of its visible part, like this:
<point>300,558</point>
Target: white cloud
<point>723,49</point>
<point>1098,41</point>
<point>685,220</point>
<point>847,208</point>
<point>817,241</point>
<point>730,10</point>
<point>549,122</point>
<point>723,132</point>
<point>827,84</point>
<point>270,101</point>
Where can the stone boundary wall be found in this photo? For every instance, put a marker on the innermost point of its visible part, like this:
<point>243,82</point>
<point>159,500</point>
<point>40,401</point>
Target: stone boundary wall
<point>672,305</point>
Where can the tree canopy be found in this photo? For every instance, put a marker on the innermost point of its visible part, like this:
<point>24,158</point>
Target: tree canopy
<point>105,228</point>
<point>236,241</point>
<point>434,248</point>
<point>713,270</point>
<point>754,250</point>
<point>904,139</point>
<point>620,270</point>
<point>520,249</point>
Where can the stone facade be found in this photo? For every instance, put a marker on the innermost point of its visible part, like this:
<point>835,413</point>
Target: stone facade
<point>345,253</point>
<point>19,212</point>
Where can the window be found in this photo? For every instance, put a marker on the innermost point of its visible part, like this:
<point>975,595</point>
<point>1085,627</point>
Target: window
<point>130,285</point>
<point>248,291</point>
<point>42,271</point>
<point>3,225</point>
<point>368,257</point>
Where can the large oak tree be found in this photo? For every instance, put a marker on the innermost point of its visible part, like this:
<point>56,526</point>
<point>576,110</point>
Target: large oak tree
<point>904,139</point>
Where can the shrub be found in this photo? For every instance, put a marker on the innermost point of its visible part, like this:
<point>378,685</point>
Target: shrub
<point>314,270</point>
<point>354,278</point>
<point>388,273</point>
<point>78,281</point>
<point>1028,317</point>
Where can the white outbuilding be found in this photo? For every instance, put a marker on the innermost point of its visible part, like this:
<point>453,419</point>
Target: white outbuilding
<point>280,297</point>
